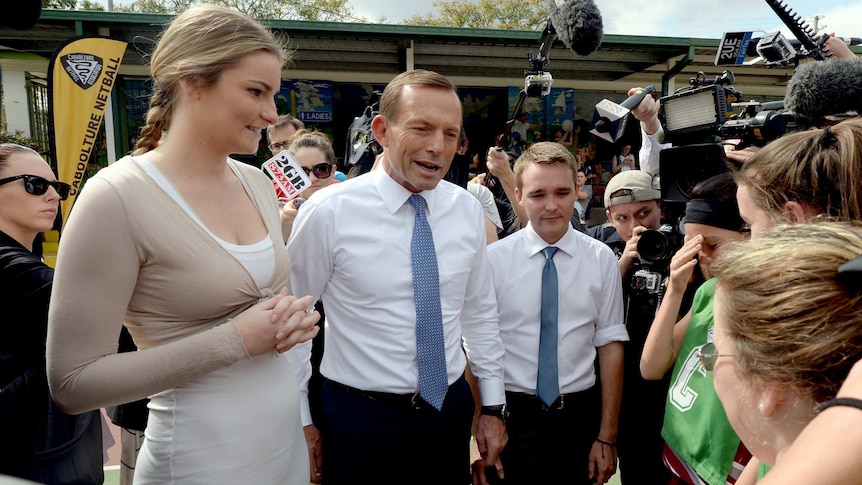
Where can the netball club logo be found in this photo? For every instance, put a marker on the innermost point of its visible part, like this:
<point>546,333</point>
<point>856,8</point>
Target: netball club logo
<point>84,69</point>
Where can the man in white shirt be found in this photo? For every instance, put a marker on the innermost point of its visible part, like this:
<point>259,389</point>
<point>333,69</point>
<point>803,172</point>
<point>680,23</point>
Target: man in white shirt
<point>353,245</point>
<point>566,434</point>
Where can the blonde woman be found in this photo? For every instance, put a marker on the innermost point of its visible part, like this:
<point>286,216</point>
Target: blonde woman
<point>788,330</point>
<point>184,247</point>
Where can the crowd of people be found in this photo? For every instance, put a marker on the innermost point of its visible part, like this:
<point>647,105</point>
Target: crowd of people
<point>564,352</point>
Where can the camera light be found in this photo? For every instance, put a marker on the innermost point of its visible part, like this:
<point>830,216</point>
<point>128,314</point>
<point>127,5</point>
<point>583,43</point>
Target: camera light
<point>699,109</point>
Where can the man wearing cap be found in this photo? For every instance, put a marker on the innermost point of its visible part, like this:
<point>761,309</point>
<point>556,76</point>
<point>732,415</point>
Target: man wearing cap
<point>632,207</point>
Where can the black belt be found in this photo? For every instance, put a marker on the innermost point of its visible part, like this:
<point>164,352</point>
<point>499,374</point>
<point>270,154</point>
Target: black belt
<point>520,400</point>
<point>413,400</point>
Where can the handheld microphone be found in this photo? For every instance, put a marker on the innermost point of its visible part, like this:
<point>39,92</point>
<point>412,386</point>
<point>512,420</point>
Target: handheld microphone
<point>752,46</point>
<point>578,23</point>
<point>24,16</point>
<point>820,89</point>
<point>609,118</point>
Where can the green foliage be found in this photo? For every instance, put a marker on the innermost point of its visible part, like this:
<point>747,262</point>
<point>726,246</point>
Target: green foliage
<point>315,10</point>
<point>17,137</point>
<point>72,4</point>
<point>486,14</point>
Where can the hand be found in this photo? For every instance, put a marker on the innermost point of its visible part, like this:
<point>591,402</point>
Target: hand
<point>498,164</point>
<point>738,156</point>
<point>288,212</point>
<point>315,456</point>
<point>479,179</point>
<point>683,263</point>
<point>276,324</point>
<point>491,437</point>
<point>603,462</point>
<point>477,471</point>
<point>630,252</point>
<point>837,47</point>
<point>647,112</point>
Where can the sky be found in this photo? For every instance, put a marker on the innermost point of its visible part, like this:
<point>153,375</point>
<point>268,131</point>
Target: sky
<point>674,18</point>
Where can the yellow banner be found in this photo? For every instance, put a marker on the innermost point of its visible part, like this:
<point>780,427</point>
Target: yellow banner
<point>81,75</point>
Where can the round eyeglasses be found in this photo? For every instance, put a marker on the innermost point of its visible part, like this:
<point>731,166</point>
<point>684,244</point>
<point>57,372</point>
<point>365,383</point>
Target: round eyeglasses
<point>708,356</point>
<point>37,185</point>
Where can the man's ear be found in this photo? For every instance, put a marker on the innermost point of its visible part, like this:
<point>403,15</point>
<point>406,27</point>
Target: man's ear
<point>798,213</point>
<point>380,128</point>
<point>608,215</point>
<point>519,196</point>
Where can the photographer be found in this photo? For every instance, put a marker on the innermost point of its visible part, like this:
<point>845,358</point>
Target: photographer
<point>701,445</point>
<point>633,208</point>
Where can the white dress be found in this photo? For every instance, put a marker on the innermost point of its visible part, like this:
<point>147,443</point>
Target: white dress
<point>236,425</point>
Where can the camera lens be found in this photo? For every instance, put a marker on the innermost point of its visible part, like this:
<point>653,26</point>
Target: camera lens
<point>653,246</point>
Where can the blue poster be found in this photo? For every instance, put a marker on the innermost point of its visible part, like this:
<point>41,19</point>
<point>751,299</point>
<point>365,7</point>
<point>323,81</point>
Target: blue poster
<point>310,101</point>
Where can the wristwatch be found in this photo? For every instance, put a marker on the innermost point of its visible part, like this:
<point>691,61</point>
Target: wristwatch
<point>499,410</point>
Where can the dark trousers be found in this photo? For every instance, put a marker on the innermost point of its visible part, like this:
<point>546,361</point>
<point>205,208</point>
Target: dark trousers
<point>639,442</point>
<point>550,445</point>
<point>385,439</point>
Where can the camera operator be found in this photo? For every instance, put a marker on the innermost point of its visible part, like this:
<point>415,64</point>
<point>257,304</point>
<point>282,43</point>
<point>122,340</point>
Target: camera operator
<point>633,207</point>
<point>499,165</point>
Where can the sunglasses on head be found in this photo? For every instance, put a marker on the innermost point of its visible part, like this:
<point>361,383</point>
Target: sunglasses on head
<point>37,185</point>
<point>321,170</point>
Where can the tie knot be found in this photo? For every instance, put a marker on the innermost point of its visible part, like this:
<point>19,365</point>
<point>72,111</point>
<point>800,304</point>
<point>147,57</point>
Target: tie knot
<point>417,202</point>
<point>549,252</point>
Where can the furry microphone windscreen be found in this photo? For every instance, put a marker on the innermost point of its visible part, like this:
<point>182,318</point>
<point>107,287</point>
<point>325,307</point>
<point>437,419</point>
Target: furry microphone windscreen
<point>578,24</point>
<point>822,88</point>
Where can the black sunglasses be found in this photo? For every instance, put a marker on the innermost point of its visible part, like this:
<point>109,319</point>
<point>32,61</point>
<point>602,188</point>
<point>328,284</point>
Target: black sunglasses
<point>321,170</point>
<point>37,185</point>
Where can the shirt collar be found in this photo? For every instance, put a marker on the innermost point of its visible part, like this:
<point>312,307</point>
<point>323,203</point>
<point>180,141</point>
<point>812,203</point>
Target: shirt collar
<point>535,244</point>
<point>394,195</point>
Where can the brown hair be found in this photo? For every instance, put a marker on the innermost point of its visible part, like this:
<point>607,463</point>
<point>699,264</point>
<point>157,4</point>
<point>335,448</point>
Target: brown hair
<point>312,139</point>
<point>546,153</point>
<point>788,317</point>
<point>820,169</point>
<point>9,149</point>
<point>200,42</point>
<point>285,120</point>
<point>417,77</point>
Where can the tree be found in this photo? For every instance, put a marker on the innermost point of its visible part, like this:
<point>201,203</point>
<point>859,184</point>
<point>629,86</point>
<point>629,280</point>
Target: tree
<point>316,10</point>
<point>486,14</point>
<point>72,4</point>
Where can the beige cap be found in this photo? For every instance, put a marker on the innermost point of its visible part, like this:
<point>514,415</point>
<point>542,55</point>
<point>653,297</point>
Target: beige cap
<point>637,185</point>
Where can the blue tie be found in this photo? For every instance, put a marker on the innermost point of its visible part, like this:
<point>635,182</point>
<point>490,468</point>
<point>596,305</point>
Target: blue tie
<point>548,383</point>
<point>430,353</point>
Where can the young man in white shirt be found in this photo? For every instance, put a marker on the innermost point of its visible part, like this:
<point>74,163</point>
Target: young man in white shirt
<point>565,433</point>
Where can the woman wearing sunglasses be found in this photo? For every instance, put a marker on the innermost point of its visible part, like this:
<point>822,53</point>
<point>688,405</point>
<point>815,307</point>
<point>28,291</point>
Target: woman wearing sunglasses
<point>313,151</point>
<point>30,197</point>
<point>788,330</point>
<point>183,245</point>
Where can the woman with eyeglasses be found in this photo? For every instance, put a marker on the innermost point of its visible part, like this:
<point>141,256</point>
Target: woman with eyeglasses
<point>313,151</point>
<point>788,330</point>
<point>700,445</point>
<point>31,425</point>
<point>184,246</point>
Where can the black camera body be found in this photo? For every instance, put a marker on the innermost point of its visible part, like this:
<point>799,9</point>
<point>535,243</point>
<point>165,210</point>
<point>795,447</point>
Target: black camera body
<point>656,247</point>
<point>759,124</point>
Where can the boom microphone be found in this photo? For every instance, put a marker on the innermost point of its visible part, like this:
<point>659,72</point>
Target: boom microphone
<point>825,88</point>
<point>578,23</point>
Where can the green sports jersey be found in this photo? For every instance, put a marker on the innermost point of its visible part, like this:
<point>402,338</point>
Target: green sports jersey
<point>695,425</point>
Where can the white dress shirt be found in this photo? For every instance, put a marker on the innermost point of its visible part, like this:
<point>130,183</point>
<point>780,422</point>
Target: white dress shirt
<point>590,305</point>
<point>350,246</point>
